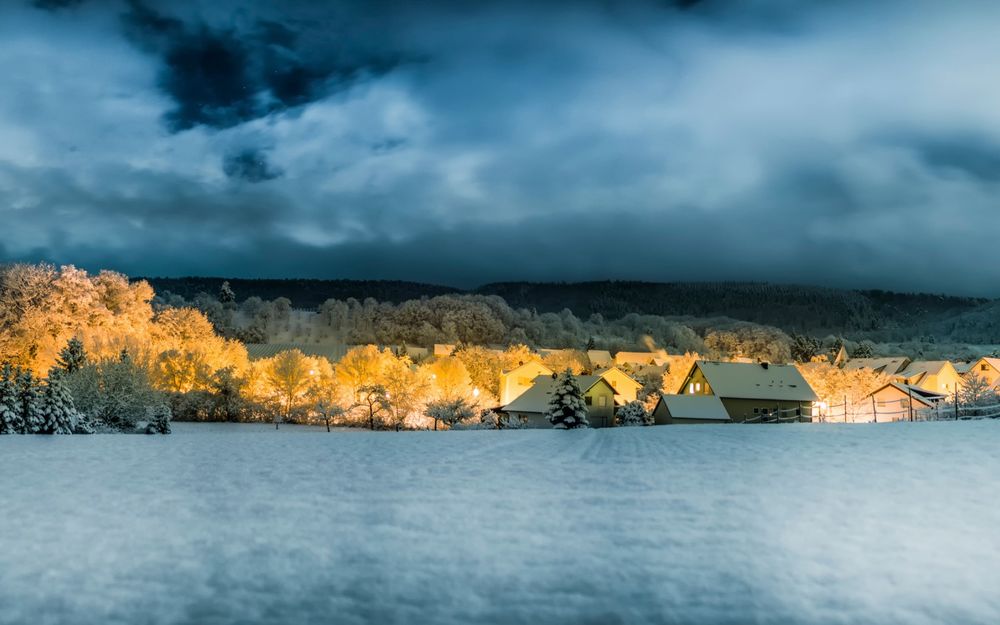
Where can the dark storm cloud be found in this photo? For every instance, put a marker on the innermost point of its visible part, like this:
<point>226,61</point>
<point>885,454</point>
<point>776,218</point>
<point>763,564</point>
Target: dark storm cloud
<point>54,5</point>
<point>249,164</point>
<point>462,142</point>
<point>223,76</point>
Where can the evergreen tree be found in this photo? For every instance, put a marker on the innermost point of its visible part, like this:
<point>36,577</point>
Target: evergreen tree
<point>72,357</point>
<point>159,420</point>
<point>10,411</point>
<point>58,415</point>
<point>863,350</point>
<point>29,403</point>
<point>591,344</point>
<point>567,409</point>
<point>804,348</point>
<point>226,294</point>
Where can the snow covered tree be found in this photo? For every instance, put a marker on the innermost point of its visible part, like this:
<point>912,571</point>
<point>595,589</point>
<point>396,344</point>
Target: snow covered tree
<point>976,391</point>
<point>634,413</point>
<point>159,419</point>
<point>72,357</point>
<point>863,350</point>
<point>567,409</point>
<point>10,410</point>
<point>804,348</point>
<point>375,401</point>
<point>29,403</point>
<point>450,411</point>
<point>226,294</point>
<point>56,408</point>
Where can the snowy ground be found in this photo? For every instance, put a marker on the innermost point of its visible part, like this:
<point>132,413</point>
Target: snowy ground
<point>895,523</point>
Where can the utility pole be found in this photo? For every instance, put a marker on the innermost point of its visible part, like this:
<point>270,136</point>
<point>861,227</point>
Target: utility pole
<point>909,390</point>
<point>874,410</point>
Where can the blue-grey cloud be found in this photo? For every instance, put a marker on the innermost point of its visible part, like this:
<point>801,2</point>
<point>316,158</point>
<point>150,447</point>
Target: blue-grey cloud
<point>461,143</point>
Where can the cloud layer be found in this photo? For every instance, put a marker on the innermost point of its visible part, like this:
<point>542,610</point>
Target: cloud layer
<point>848,145</point>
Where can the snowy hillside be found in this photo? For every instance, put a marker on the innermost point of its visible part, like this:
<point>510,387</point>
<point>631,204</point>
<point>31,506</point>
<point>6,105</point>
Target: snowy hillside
<point>710,524</point>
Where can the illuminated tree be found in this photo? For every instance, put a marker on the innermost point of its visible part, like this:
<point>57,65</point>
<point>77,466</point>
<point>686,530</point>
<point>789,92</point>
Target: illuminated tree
<point>450,411</point>
<point>374,400</point>
<point>288,374</point>
<point>574,360</point>
<point>677,371</point>
<point>976,391</point>
<point>566,409</point>
<point>449,378</point>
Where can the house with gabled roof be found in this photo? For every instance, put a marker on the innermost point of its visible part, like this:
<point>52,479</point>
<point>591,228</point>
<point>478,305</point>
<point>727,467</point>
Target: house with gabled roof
<point>898,402</point>
<point>938,376</point>
<point>600,358</point>
<point>530,407</point>
<point>889,366</point>
<point>515,382</point>
<point>986,368</point>
<point>678,409</point>
<point>635,359</point>
<point>626,387</point>
<point>753,391</point>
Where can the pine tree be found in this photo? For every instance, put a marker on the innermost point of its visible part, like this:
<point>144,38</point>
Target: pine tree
<point>72,357</point>
<point>56,408</point>
<point>159,420</point>
<point>28,403</point>
<point>567,409</point>
<point>226,294</point>
<point>10,411</point>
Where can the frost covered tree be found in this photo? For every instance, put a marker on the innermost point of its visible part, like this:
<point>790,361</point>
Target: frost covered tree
<point>10,409</point>
<point>804,348</point>
<point>374,400</point>
<point>863,350</point>
<point>976,391</point>
<point>58,415</point>
<point>226,295</point>
<point>450,411</point>
<point>566,409</point>
<point>29,403</point>
<point>159,419</point>
<point>72,357</point>
<point>634,413</point>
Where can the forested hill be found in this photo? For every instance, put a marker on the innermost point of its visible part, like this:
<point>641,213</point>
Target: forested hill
<point>815,310</point>
<point>790,307</point>
<point>303,293</point>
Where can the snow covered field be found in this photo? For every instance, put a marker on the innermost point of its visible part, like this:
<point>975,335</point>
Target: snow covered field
<point>895,523</point>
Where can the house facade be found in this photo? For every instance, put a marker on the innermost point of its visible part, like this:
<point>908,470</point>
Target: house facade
<point>515,382</point>
<point>530,407</point>
<point>626,387</point>
<point>936,376</point>
<point>986,368</point>
<point>753,391</point>
<point>898,402</point>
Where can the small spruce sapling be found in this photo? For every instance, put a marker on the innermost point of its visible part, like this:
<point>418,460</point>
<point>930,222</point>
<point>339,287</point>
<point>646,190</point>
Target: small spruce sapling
<point>566,409</point>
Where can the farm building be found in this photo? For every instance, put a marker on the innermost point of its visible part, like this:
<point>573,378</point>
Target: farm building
<point>530,407</point>
<point>753,391</point>
<point>677,409</point>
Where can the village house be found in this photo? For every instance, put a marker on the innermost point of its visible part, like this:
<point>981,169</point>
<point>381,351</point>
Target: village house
<point>753,391</point>
<point>898,402</point>
<point>938,376</point>
<point>515,382</point>
<point>600,359</point>
<point>679,409</point>
<point>442,350</point>
<point>889,366</point>
<point>530,407</point>
<point>626,387</point>
<point>986,368</point>
<point>638,359</point>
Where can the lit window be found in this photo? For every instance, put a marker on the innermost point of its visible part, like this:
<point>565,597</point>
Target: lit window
<point>697,386</point>
<point>691,388</point>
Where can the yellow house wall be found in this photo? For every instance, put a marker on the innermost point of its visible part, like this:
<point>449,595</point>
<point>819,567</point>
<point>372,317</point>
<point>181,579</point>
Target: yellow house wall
<point>514,383</point>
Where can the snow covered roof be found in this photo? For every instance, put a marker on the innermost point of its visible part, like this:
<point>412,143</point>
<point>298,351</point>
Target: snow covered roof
<point>707,407</point>
<point>260,351</point>
<point>536,398</point>
<point>890,366</point>
<point>737,380</point>
<point>600,357</point>
<point>918,370</point>
<point>614,373</point>
<point>992,362</point>
<point>928,398</point>
<point>531,364</point>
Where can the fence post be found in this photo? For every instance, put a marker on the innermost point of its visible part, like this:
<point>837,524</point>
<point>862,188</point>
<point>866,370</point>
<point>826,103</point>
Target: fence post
<point>874,410</point>
<point>956,402</point>
<point>909,390</point>
<point>845,408</point>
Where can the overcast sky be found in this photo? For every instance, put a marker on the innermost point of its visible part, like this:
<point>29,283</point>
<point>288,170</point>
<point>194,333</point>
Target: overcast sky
<point>464,142</point>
